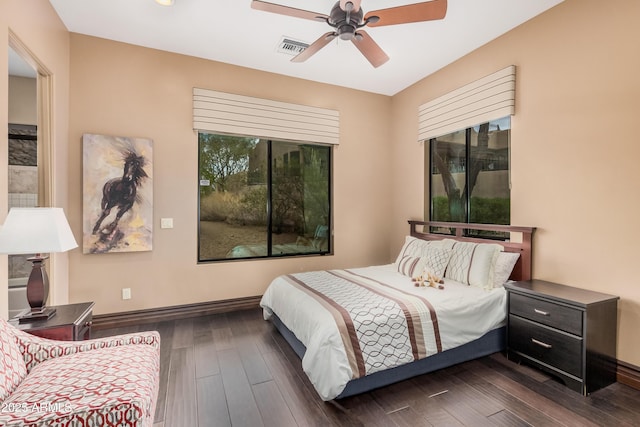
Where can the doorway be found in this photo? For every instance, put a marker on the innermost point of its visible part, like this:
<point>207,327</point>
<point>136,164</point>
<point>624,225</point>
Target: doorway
<point>29,183</point>
<point>23,164</point>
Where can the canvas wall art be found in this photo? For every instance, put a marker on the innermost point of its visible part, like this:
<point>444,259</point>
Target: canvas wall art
<point>117,194</point>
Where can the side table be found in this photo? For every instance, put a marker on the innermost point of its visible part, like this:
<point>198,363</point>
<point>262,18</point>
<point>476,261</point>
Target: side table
<point>72,322</point>
<point>567,331</point>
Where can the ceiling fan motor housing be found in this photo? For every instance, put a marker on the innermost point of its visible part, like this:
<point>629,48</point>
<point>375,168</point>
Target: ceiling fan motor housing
<point>344,22</point>
<point>348,21</point>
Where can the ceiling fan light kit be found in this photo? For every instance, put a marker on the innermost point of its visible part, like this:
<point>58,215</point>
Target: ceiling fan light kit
<point>347,18</point>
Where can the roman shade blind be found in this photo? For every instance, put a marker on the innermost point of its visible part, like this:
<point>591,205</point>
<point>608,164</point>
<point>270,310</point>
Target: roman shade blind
<point>483,100</point>
<point>222,112</point>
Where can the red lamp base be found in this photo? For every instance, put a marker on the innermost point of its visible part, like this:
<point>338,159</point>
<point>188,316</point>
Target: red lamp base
<point>37,293</point>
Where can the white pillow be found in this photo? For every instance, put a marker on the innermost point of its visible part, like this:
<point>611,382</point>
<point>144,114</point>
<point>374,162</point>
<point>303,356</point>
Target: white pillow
<point>411,266</point>
<point>436,260</point>
<point>473,263</point>
<point>504,266</point>
<point>415,247</point>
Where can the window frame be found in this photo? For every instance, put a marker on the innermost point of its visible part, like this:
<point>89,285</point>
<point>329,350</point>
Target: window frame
<point>269,207</point>
<point>467,196</point>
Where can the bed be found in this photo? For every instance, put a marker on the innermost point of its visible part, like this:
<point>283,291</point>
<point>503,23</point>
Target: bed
<point>362,328</point>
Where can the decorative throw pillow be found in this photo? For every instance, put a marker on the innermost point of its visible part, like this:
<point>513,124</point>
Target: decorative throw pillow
<point>412,247</point>
<point>436,259</point>
<point>473,263</point>
<point>411,266</point>
<point>415,247</point>
<point>504,266</point>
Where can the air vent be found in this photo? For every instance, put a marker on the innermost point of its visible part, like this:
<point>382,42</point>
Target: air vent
<point>291,47</point>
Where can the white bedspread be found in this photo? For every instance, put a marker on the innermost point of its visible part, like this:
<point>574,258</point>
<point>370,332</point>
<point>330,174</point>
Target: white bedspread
<point>463,314</point>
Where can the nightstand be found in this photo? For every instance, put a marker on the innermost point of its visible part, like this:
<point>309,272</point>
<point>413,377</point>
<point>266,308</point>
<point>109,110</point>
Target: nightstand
<point>566,331</point>
<point>72,322</point>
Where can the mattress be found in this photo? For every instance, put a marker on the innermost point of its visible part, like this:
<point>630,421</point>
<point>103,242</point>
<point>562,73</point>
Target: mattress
<point>395,325</point>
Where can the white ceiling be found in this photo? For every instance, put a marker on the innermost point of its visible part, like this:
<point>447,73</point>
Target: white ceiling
<point>230,31</point>
<point>19,67</point>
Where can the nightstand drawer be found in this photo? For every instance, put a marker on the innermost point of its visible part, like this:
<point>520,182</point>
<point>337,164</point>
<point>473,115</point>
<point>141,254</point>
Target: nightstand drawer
<point>546,345</point>
<point>557,316</point>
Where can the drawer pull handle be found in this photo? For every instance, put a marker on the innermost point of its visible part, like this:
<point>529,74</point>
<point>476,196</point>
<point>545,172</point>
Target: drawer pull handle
<point>540,343</point>
<point>543,313</point>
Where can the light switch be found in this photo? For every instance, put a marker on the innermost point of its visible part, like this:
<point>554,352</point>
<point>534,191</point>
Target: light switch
<point>166,222</point>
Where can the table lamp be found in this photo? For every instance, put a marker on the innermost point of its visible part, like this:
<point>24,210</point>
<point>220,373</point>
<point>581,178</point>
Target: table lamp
<point>36,231</point>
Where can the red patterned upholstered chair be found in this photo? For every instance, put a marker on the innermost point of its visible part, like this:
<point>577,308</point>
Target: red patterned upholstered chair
<point>102,382</point>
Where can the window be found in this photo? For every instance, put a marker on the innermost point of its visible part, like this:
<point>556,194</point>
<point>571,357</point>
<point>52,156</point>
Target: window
<point>262,198</point>
<point>469,174</point>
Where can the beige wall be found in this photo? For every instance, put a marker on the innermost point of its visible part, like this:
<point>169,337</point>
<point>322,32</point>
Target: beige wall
<point>124,90</point>
<point>574,146</point>
<point>573,154</point>
<point>22,100</point>
<point>37,27</point>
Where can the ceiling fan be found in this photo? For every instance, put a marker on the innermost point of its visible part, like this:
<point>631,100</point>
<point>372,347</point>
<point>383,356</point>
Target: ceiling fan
<point>347,18</point>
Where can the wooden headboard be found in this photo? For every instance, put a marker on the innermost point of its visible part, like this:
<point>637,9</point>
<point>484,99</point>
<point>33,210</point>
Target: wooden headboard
<point>522,270</point>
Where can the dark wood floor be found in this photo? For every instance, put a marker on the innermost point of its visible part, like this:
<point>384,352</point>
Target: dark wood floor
<point>235,369</point>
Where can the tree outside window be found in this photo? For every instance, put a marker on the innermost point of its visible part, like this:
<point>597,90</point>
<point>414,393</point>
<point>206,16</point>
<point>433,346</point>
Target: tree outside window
<point>262,198</point>
<point>469,175</point>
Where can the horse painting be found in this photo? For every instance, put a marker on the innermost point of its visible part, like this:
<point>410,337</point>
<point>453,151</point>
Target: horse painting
<point>120,193</point>
<point>118,196</point>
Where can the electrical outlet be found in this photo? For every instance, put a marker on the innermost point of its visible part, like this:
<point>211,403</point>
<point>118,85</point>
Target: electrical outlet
<point>126,293</point>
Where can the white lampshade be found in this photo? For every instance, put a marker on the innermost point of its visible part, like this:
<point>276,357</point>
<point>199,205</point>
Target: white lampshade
<point>36,231</point>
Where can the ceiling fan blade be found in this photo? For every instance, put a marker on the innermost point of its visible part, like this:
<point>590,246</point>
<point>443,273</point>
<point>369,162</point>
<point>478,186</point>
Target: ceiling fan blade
<point>356,5</point>
<point>289,11</point>
<point>370,49</point>
<point>314,47</point>
<point>418,12</point>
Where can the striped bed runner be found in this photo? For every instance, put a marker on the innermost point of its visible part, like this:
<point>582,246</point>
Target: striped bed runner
<point>381,327</point>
